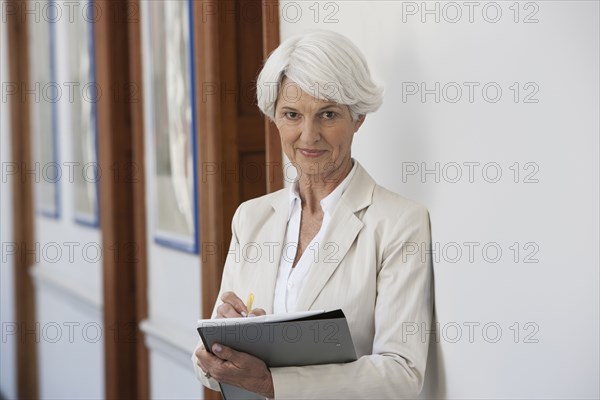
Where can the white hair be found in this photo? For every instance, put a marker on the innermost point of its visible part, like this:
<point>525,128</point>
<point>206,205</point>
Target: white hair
<point>324,64</point>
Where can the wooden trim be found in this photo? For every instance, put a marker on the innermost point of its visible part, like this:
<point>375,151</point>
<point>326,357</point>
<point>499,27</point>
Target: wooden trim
<point>215,115</point>
<point>22,203</point>
<point>118,210</point>
<point>209,152</point>
<point>139,197</point>
<point>229,188</point>
<point>274,164</point>
<point>208,110</point>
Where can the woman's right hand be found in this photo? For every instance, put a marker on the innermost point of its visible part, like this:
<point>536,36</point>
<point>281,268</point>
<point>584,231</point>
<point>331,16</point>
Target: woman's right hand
<point>234,307</point>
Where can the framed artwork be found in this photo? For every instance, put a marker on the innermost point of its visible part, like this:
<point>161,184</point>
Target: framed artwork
<point>170,112</point>
<point>44,117</point>
<point>82,107</point>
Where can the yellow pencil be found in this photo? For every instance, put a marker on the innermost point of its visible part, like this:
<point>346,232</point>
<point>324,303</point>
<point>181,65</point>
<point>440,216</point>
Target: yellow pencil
<point>249,302</point>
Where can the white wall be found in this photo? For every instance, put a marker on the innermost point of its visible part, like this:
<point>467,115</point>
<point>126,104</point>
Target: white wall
<point>8,379</point>
<point>557,217</point>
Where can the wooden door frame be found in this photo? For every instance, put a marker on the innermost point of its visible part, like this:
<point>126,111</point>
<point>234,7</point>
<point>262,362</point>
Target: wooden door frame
<point>135,89</point>
<point>209,144</point>
<point>22,203</point>
<point>270,22</point>
<point>122,198</point>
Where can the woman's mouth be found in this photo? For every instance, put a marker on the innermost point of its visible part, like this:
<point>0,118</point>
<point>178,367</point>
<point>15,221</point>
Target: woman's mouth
<point>312,152</point>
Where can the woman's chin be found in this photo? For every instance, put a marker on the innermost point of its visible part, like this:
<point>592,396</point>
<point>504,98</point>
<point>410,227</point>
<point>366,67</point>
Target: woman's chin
<point>308,167</point>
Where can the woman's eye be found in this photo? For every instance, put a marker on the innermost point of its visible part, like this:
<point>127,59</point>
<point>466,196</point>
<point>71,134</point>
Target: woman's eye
<point>291,115</point>
<point>329,115</point>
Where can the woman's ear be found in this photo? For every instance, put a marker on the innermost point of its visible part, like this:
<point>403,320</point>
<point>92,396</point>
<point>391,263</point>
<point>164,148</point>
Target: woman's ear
<point>359,121</point>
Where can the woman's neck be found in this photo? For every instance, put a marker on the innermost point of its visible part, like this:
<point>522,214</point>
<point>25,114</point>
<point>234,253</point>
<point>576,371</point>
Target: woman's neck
<point>314,188</point>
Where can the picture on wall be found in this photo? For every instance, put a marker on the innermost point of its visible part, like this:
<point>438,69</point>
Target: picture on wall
<point>44,115</point>
<point>82,109</point>
<point>170,122</point>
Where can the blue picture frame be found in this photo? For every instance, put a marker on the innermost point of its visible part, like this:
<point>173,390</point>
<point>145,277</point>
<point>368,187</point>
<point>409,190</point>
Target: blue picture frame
<point>188,242</point>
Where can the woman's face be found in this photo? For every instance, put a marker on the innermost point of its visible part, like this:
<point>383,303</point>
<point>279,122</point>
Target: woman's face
<point>316,135</point>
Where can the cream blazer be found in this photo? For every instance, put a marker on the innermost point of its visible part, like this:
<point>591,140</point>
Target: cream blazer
<point>372,263</point>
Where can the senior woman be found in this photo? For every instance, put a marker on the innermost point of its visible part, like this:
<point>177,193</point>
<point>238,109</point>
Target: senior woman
<point>334,239</point>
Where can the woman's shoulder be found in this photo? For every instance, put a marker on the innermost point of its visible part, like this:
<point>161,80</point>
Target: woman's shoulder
<point>364,190</point>
<point>385,196</point>
<point>390,204</point>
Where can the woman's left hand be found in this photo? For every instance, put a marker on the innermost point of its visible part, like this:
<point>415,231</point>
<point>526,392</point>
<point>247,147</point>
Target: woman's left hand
<point>236,368</point>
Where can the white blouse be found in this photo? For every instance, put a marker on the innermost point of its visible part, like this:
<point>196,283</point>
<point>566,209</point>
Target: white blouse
<point>290,280</point>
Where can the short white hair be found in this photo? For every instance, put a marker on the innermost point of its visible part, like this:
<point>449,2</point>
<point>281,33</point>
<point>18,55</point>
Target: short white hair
<point>324,64</point>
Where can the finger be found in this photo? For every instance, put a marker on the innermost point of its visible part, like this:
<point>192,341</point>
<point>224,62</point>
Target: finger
<point>202,366</point>
<point>235,301</point>
<point>228,354</point>
<point>226,310</point>
<point>201,351</point>
<point>205,360</point>
<point>256,312</point>
<point>208,361</point>
<point>204,355</point>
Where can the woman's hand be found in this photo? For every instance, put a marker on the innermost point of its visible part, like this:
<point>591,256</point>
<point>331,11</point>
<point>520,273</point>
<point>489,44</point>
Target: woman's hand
<point>236,368</point>
<point>233,307</point>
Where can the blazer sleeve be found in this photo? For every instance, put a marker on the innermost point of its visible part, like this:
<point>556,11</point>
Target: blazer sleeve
<point>403,310</point>
<point>226,282</point>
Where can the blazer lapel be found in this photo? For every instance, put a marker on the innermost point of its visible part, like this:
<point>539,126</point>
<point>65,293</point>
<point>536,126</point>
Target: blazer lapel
<point>341,233</point>
<point>271,247</point>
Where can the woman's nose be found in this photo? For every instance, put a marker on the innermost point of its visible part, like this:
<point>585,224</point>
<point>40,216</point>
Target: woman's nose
<point>310,131</point>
